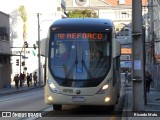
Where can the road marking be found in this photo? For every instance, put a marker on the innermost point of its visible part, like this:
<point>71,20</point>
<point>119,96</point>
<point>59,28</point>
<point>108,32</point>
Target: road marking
<point>43,111</point>
<point>7,99</point>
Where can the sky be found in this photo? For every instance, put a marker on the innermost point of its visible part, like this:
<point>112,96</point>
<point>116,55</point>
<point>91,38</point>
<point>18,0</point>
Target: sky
<point>8,8</point>
<point>32,6</point>
<point>46,7</point>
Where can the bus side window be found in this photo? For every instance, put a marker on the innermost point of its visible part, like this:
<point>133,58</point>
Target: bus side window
<point>52,53</point>
<point>108,49</point>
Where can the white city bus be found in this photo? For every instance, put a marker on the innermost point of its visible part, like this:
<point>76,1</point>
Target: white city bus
<point>82,64</point>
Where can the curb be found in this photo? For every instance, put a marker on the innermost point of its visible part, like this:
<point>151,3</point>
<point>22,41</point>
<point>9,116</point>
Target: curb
<point>126,106</point>
<point>20,90</point>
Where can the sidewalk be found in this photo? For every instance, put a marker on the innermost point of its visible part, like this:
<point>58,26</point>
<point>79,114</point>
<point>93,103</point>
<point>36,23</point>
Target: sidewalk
<point>12,89</point>
<point>152,109</point>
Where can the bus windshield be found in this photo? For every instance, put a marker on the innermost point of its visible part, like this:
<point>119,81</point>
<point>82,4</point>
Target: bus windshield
<point>79,57</point>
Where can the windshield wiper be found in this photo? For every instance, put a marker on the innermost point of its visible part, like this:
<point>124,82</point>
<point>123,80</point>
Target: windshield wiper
<point>72,68</point>
<point>85,67</point>
<point>74,64</point>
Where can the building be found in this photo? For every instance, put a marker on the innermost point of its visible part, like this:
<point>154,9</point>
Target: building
<point>40,15</point>
<point>5,65</point>
<point>120,11</point>
<point>38,22</point>
<point>154,28</point>
<point>153,41</point>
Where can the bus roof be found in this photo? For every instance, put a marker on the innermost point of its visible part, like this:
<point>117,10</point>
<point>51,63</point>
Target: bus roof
<point>81,24</point>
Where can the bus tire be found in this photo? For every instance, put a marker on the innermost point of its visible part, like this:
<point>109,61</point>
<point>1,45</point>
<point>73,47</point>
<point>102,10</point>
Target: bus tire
<point>117,98</point>
<point>57,107</point>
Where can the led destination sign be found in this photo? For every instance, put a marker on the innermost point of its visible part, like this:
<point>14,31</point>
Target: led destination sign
<point>79,36</point>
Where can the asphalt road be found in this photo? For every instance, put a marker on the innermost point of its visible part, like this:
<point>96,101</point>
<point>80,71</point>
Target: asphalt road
<point>33,101</point>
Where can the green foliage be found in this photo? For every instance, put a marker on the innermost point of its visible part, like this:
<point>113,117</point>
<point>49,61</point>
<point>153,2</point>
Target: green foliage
<point>82,14</point>
<point>22,12</point>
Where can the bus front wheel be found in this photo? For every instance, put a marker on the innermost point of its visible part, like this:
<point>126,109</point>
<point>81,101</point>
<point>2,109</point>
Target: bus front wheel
<point>57,107</point>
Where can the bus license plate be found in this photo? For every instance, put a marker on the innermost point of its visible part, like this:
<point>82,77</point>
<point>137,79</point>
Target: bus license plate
<point>78,99</point>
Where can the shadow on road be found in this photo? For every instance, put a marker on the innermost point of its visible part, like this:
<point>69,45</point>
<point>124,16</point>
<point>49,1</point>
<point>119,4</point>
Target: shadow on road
<point>85,111</point>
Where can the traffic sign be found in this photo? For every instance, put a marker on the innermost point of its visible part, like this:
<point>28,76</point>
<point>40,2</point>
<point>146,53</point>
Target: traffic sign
<point>24,57</point>
<point>25,68</point>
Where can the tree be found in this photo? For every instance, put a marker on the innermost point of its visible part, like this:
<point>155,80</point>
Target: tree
<point>23,15</point>
<point>14,20</point>
<point>82,14</point>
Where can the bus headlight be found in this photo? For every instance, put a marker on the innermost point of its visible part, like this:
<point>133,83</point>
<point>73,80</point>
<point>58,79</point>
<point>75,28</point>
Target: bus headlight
<point>107,99</point>
<point>104,87</point>
<point>52,87</point>
<point>50,98</point>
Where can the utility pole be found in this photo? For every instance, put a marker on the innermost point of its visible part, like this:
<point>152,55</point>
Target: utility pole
<point>20,62</point>
<point>39,56</point>
<point>152,36</point>
<point>21,59</point>
<point>137,59</point>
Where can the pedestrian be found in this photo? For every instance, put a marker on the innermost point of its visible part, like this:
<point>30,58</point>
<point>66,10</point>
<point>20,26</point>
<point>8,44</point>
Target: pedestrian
<point>31,79</point>
<point>28,79</point>
<point>16,80</point>
<point>35,78</point>
<point>148,79</point>
<point>126,76</point>
<point>21,79</point>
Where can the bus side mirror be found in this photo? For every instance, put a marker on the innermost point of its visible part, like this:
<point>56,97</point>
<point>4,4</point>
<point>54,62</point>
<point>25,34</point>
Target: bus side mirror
<point>43,48</point>
<point>116,48</point>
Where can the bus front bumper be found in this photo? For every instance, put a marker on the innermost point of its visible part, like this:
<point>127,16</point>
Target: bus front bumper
<point>97,99</point>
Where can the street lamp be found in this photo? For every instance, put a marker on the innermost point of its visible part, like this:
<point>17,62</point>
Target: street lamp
<point>39,48</point>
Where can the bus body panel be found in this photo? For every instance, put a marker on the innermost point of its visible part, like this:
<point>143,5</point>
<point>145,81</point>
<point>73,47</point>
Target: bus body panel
<point>97,99</point>
<point>88,95</point>
<point>81,25</point>
<point>86,90</point>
